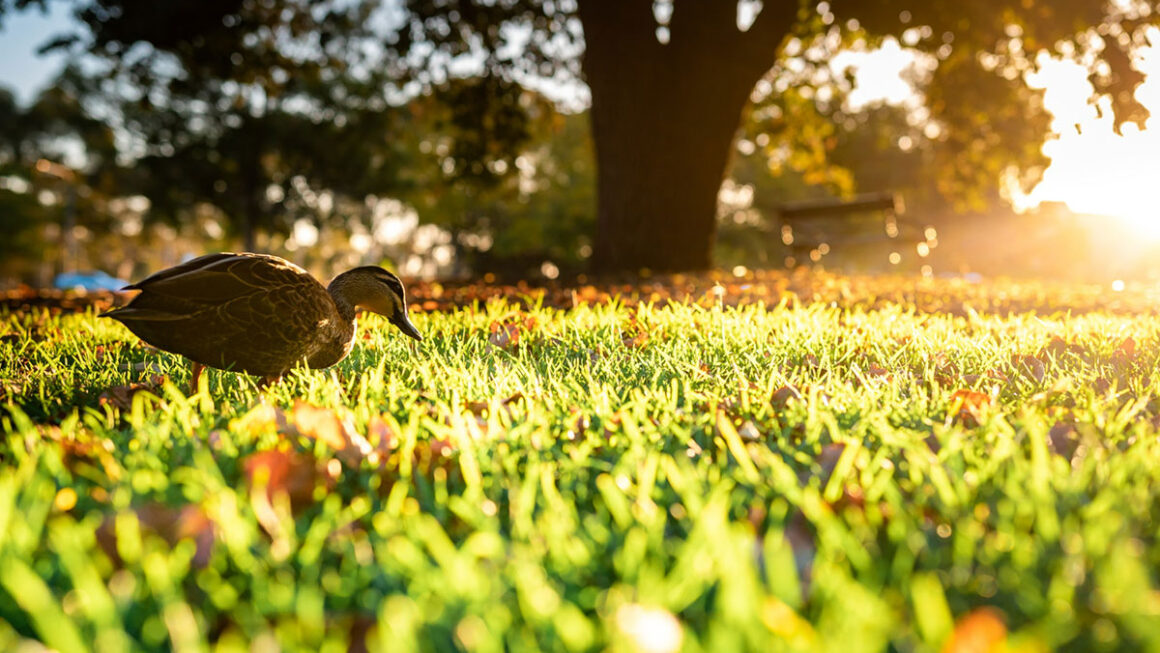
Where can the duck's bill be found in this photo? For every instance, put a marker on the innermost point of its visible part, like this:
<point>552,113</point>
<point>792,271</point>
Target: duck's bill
<point>404,323</point>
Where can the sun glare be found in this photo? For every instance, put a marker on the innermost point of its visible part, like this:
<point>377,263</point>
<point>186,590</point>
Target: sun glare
<point>1093,169</point>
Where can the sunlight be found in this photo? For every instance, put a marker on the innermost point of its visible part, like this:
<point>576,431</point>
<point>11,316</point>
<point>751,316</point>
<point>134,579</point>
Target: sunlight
<point>1093,169</point>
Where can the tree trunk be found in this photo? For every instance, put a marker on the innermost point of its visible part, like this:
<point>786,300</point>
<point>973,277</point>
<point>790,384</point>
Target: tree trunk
<point>659,169</point>
<point>664,117</point>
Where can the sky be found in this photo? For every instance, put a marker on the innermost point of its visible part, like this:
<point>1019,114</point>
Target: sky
<point>1093,169</point>
<point>20,68</point>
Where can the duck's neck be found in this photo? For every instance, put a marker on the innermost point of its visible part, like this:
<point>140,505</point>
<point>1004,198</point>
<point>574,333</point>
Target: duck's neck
<point>343,293</point>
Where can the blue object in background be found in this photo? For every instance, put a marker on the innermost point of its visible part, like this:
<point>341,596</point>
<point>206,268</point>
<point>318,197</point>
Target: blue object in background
<point>97,280</point>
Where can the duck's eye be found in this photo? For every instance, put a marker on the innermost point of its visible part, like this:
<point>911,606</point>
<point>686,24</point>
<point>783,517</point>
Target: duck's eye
<point>393,284</point>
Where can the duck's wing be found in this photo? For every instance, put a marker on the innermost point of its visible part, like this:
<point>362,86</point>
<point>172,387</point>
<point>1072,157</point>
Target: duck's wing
<point>192,265</point>
<point>217,279</point>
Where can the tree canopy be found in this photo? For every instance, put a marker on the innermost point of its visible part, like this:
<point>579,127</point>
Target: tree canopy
<point>228,98</point>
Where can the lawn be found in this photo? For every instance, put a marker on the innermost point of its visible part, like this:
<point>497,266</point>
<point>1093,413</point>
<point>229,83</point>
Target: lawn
<point>702,475</point>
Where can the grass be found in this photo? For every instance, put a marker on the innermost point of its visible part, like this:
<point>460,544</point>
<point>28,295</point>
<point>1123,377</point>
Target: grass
<point>685,477</point>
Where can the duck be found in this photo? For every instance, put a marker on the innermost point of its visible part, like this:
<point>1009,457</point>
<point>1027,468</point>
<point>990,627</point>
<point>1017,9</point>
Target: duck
<point>258,314</point>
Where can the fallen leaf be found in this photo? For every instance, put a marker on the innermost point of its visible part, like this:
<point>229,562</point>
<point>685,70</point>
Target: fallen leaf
<point>121,396</point>
<point>748,432</point>
<point>504,336</point>
<point>828,459</point>
<point>322,424</point>
<point>980,631</point>
<point>1029,366</point>
<point>170,523</point>
<point>634,336</point>
<point>333,428</point>
<point>381,435</point>
<point>1127,348</point>
<point>783,395</point>
<point>285,472</point>
<point>969,405</point>
<point>1063,439</point>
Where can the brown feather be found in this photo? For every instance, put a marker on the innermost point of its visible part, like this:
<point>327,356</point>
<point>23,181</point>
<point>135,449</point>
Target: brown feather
<point>254,313</point>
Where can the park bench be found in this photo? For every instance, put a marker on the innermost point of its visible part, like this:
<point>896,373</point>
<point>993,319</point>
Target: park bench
<point>813,228</point>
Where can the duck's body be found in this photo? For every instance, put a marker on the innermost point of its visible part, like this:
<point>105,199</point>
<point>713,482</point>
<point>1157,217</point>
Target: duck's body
<point>256,313</point>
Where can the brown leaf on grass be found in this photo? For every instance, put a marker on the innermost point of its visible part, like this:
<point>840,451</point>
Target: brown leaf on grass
<point>1102,386</point>
<point>749,432</point>
<point>507,334</point>
<point>361,628</point>
<point>477,408</point>
<point>381,435</point>
<point>1055,347</point>
<point>799,534</point>
<point>170,523</point>
<point>481,408</point>
<point>1058,347</point>
<point>828,459</point>
<point>1029,366</point>
<point>504,336</point>
<point>322,424</point>
<point>332,427</point>
<point>946,372</point>
<point>991,374</point>
<point>82,453</point>
<point>281,480</point>
<point>285,472</point>
<point>634,336</point>
<point>1127,348</point>
<point>427,456</point>
<point>980,631</point>
<point>969,405</point>
<point>1063,439</point>
<point>579,422</point>
<point>784,395</point>
<point>1125,355</point>
<point>121,396</point>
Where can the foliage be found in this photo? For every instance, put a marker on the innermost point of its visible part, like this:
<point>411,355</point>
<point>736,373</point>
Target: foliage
<point>519,209</point>
<point>234,104</point>
<point>37,189</point>
<point>20,215</point>
<point>224,100</point>
<point>673,77</point>
<point>662,477</point>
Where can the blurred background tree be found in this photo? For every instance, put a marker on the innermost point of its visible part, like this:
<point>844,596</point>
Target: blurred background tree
<point>287,118</point>
<point>669,82</point>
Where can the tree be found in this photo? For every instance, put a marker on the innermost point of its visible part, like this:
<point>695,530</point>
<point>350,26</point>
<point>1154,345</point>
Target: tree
<point>513,196</point>
<point>35,142</point>
<point>670,81</point>
<point>225,100</point>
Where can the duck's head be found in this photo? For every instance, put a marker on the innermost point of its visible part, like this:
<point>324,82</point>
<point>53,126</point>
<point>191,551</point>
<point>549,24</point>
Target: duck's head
<point>374,289</point>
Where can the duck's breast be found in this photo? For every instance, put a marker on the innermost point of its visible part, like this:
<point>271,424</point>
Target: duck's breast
<point>333,340</point>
